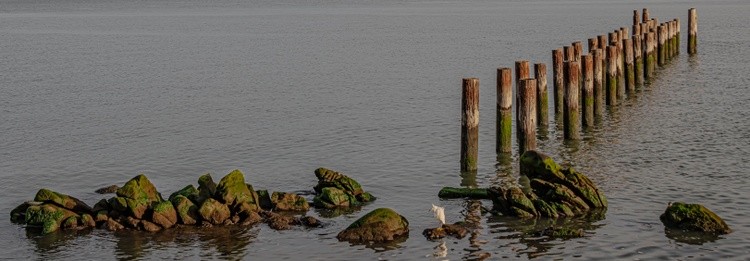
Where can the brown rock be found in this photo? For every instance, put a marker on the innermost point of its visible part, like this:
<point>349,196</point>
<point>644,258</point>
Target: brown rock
<point>112,225</point>
<point>150,227</point>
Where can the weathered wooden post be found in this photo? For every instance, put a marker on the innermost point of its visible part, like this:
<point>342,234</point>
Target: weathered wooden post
<point>662,34</point>
<point>624,34</point>
<point>602,40</point>
<point>611,75</point>
<point>677,20</point>
<point>469,124</point>
<point>670,43</point>
<point>577,51</point>
<point>557,74</point>
<point>620,67</point>
<point>637,59</point>
<point>588,90</point>
<point>598,89</point>
<point>637,29</point>
<point>504,129</point>
<point>645,15</point>
<point>522,72</point>
<point>593,44</point>
<point>675,43</point>
<point>692,31</point>
<point>540,74</point>
<point>526,117</point>
<point>569,53</point>
<point>650,61</point>
<point>636,18</point>
<point>570,115</point>
<point>629,66</point>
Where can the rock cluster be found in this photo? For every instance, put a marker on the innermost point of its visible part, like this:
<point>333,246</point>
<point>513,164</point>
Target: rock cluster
<point>335,190</point>
<point>553,191</point>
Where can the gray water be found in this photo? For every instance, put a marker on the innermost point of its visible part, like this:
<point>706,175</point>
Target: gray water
<point>96,92</point>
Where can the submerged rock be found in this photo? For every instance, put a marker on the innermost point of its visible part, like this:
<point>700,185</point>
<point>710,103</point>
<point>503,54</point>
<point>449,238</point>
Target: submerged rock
<point>456,230</point>
<point>552,191</point>
<point>288,202</point>
<point>473,193</point>
<point>47,216</point>
<point>693,217</point>
<point>335,190</point>
<point>380,225</point>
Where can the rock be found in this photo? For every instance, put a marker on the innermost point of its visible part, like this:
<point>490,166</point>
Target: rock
<point>187,211</point>
<point>278,221</point>
<point>188,191</point>
<point>164,214</point>
<point>112,225</point>
<point>18,214</point>
<point>380,225</point>
<point>264,200</point>
<point>456,230</point>
<point>289,202</point>
<point>473,193</point>
<point>693,217</point>
<point>108,189</point>
<point>434,233</point>
<point>70,223</point>
<point>118,204</point>
<point>139,193</point>
<point>563,232</point>
<point>206,188</point>
<point>87,220</point>
<point>309,221</point>
<point>330,197</point>
<point>101,216</point>
<point>213,211</point>
<point>233,190</point>
<point>99,206</point>
<point>48,216</point>
<point>252,218</point>
<point>68,202</point>
<point>548,191</point>
<point>350,187</point>
<point>130,222</point>
<point>149,226</point>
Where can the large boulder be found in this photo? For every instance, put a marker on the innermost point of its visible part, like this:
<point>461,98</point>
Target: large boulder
<point>139,194</point>
<point>187,211</point>
<point>65,201</point>
<point>380,225</point>
<point>233,191</point>
<point>693,217</point>
<point>338,183</point>
<point>48,216</point>
<point>549,191</point>
<point>164,214</point>
<point>288,202</point>
<point>214,212</point>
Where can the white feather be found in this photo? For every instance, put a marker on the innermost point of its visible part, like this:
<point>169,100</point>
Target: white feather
<point>439,213</point>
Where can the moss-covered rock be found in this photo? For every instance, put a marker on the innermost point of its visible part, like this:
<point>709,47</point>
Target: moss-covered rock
<point>289,202</point>
<point>187,211</point>
<point>112,225</point>
<point>164,214</point>
<point>188,191</point>
<point>70,223</point>
<point>380,225</point>
<point>473,193</point>
<point>87,221</point>
<point>549,191</point>
<point>48,216</point>
<point>233,191</point>
<point>18,214</point>
<point>206,188</point>
<point>68,202</point>
<point>264,200</point>
<point>693,217</point>
<point>331,197</point>
<point>139,194</point>
<point>149,226</point>
<point>213,211</point>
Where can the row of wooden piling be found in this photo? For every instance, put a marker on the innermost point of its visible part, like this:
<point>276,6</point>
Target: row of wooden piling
<point>616,64</point>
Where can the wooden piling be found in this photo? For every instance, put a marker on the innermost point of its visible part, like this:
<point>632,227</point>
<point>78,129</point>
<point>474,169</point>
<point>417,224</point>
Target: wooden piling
<point>504,121</point>
<point>587,70</point>
<point>661,44</point>
<point>629,66</point>
<point>611,75</point>
<point>637,29</point>
<point>669,43</point>
<point>677,20</point>
<point>620,68</point>
<point>469,124</point>
<point>602,41</point>
<point>540,74</point>
<point>557,74</point>
<point>636,18</point>
<point>692,31</point>
<point>593,44</point>
<point>522,72</point>
<point>650,59</point>
<point>645,15</point>
<point>526,117</point>
<point>675,43</point>
<point>570,114</point>
<point>624,33</point>
<point>569,53</point>
<point>598,83</point>
<point>637,59</point>
<point>577,51</point>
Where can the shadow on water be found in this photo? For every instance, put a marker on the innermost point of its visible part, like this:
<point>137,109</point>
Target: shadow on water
<point>52,242</point>
<point>529,236</point>
<point>228,241</point>
<point>690,237</point>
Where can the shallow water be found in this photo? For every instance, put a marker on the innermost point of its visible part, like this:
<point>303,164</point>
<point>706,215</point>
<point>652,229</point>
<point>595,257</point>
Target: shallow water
<point>96,92</point>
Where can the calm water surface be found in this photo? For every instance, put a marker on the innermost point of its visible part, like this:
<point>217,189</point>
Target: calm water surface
<point>96,92</point>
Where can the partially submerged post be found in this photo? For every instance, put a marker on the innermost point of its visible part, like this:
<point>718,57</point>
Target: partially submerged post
<point>650,60</point>
<point>522,72</point>
<point>588,90</point>
<point>629,66</point>
<point>620,67</point>
<point>662,35</point>
<point>598,83</point>
<point>570,115</point>
<point>526,117</point>
<point>540,74</point>
<point>692,31</point>
<point>469,124</point>
<point>504,114</point>
<point>611,75</point>
<point>557,74</point>
<point>677,20</point>
<point>637,59</point>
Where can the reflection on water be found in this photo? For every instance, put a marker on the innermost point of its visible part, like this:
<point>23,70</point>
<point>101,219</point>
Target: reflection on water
<point>53,241</point>
<point>229,241</point>
<point>690,237</point>
<point>527,237</point>
<point>469,179</point>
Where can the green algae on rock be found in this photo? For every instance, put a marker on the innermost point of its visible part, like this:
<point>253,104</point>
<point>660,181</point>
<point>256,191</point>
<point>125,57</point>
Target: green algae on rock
<point>139,194</point>
<point>68,202</point>
<point>233,190</point>
<point>214,211</point>
<point>47,216</point>
<point>693,217</point>
<point>288,202</point>
<point>337,190</point>
<point>164,214</point>
<point>380,225</point>
<point>554,191</point>
<point>187,211</point>
<point>472,193</point>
